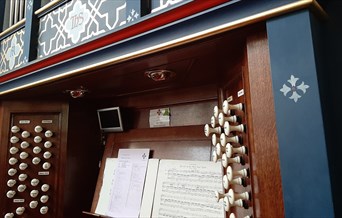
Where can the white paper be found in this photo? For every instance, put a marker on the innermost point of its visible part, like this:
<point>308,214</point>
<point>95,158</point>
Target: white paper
<point>187,189</point>
<point>106,188</point>
<point>128,183</point>
<point>150,185</point>
<point>159,117</point>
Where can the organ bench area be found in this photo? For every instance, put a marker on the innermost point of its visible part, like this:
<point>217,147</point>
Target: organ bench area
<point>221,104</point>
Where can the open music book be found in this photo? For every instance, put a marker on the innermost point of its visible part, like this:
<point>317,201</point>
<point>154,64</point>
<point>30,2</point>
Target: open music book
<point>173,188</point>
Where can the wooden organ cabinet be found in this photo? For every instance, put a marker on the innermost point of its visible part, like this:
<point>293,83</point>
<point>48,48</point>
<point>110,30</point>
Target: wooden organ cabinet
<point>237,80</point>
<point>214,72</point>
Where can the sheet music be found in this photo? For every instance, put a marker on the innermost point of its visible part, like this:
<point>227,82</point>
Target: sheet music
<point>187,189</point>
<point>128,183</point>
<point>107,182</point>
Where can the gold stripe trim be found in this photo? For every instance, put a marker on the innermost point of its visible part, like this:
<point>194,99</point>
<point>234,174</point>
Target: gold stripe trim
<point>46,7</point>
<point>13,27</point>
<point>183,40</point>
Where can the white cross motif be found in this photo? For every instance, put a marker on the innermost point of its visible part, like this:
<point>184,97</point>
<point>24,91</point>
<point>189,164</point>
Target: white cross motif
<point>13,52</point>
<point>294,88</point>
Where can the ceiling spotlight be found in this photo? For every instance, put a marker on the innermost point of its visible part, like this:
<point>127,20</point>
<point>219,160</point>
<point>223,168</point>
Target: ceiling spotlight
<point>77,93</point>
<point>159,75</point>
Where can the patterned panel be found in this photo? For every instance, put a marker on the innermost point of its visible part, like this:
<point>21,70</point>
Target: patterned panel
<point>158,5</point>
<point>12,52</point>
<point>81,20</point>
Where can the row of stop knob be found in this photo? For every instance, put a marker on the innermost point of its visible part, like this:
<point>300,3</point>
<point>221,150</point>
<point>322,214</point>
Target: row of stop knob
<point>223,128</point>
<point>21,210</point>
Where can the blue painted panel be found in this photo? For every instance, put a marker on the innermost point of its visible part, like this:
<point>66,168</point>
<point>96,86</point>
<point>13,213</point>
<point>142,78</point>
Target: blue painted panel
<point>78,22</point>
<point>225,13</point>
<point>302,146</point>
<point>160,6</point>
<point>11,52</point>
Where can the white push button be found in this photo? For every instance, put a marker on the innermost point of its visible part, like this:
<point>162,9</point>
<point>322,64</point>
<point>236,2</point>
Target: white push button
<point>48,134</point>
<point>9,215</point>
<point>20,210</point>
<point>13,150</point>
<point>15,129</point>
<point>12,160</point>
<point>25,134</point>
<point>24,144</point>
<point>10,194</point>
<point>34,193</point>
<point>38,129</point>
<point>47,144</point>
<point>14,139</point>
<point>21,188</point>
<point>44,210</point>
<point>34,182</point>
<point>12,172</point>
<point>36,160</point>
<point>23,155</point>
<point>33,204</point>
<point>37,139</point>
<point>47,154</point>
<point>44,199</point>
<point>37,150</point>
<point>11,182</point>
<point>23,166</point>
<point>22,177</point>
<point>45,187</point>
<point>46,165</point>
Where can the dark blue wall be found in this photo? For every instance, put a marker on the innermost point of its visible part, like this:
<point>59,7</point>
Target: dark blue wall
<point>302,144</point>
<point>328,47</point>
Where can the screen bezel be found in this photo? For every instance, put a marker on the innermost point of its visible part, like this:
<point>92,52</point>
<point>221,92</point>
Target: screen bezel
<point>112,128</point>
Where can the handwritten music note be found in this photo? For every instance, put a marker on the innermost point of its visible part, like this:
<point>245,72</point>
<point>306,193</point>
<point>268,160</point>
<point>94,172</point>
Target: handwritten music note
<point>186,189</point>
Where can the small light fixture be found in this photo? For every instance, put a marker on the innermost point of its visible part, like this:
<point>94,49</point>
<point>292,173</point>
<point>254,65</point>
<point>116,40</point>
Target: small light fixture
<point>77,93</point>
<point>159,74</point>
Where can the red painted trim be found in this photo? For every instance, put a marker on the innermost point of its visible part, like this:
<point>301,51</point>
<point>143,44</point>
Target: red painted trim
<point>170,16</point>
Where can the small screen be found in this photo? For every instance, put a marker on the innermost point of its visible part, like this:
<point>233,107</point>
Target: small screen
<point>110,119</point>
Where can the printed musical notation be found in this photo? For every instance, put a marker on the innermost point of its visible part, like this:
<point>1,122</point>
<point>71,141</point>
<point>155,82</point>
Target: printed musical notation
<point>186,189</point>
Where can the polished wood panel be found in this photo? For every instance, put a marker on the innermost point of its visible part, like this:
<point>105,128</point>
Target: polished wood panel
<point>84,151</point>
<point>267,188</point>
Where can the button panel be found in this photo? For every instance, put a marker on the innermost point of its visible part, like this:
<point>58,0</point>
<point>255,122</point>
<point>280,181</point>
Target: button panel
<point>32,166</point>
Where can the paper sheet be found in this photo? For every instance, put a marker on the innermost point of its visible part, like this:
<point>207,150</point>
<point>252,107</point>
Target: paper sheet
<point>128,183</point>
<point>159,117</point>
<point>150,185</point>
<point>186,189</point>
<point>107,182</point>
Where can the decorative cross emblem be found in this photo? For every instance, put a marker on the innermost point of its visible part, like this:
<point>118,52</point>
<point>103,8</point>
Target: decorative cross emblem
<point>132,16</point>
<point>294,88</point>
<point>13,52</point>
